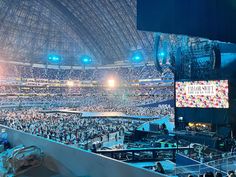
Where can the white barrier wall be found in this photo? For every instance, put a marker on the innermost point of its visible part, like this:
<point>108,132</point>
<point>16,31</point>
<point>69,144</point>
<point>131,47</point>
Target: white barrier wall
<point>71,162</point>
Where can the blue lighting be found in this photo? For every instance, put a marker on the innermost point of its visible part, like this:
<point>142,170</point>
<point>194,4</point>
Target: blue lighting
<point>162,54</point>
<point>137,57</point>
<point>85,59</point>
<point>54,58</point>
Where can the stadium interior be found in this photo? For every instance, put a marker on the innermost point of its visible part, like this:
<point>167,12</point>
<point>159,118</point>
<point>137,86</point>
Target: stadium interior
<point>126,88</point>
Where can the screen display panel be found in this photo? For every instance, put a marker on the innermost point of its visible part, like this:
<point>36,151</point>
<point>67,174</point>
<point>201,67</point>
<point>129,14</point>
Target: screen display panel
<point>202,94</point>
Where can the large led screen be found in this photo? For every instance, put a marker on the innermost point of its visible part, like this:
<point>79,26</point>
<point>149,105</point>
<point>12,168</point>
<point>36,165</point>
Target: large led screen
<point>202,94</point>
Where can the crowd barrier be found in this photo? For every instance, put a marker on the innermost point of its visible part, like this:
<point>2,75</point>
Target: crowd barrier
<point>70,161</point>
<point>222,166</point>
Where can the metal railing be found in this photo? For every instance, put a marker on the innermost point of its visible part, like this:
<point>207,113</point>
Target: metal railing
<point>143,154</point>
<point>222,166</point>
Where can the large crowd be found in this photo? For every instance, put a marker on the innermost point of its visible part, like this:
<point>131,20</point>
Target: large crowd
<point>123,73</point>
<point>65,128</point>
<point>129,100</point>
<point>20,104</point>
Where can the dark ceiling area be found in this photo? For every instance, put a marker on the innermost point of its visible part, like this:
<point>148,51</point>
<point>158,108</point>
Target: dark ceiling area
<point>30,30</point>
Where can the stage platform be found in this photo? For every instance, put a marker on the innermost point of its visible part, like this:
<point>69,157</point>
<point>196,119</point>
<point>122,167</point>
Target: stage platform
<point>102,114</point>
<point>165,119</point>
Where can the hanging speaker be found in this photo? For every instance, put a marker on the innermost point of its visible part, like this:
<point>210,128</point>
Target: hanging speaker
<point>156,54</point>
<point>216,54</point>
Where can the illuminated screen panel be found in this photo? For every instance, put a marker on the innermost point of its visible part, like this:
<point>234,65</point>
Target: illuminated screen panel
<point>202,94</point>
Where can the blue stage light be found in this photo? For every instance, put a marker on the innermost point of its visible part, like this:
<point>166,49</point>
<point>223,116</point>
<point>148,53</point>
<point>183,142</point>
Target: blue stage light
<point>85,59</point>
<point>162,54</point>
<point>137,57</point>
<point>54,58</point>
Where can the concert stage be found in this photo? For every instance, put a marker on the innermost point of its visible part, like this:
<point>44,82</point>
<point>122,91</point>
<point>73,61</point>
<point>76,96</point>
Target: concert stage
<point>102,114</point>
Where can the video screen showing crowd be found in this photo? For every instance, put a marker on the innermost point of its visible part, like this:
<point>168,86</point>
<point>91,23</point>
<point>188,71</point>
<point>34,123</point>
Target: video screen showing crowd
<point>139,91</point>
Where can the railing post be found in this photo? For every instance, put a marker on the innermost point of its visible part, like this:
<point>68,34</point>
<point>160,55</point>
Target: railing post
<point>132,155</point>
<point>174,155</point>
<point>112,155</point>
<point>154,155</point>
